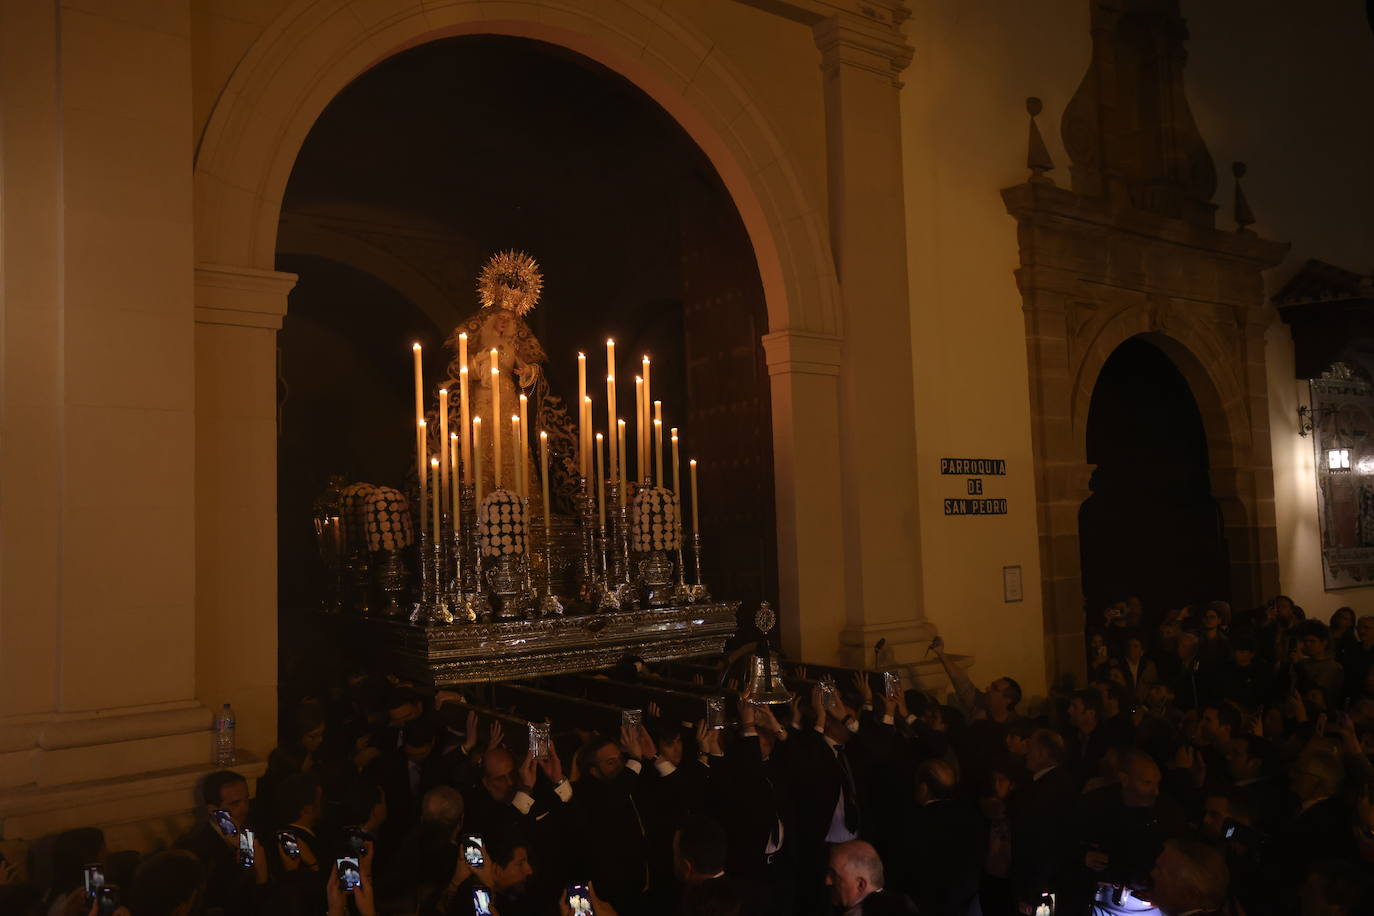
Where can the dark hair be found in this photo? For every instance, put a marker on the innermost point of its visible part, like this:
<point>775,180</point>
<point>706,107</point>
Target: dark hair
<point>917,703</point>
<point>284,760</point>
<point>702,842</point>
<point>401,696</point>
<point>72,850</point>
<point>305,718</point>
<point>1227,714</point>
<point>1263,750</point>
<point>501,848</point>
<point>417,733</point>
<point>1020,728</point>
<point>1051,743</point>
<point>164,882</point>
<point>295,793</point>
<point>359,800</point>
<point>1123,696</point>
<point>1314,628</point>
<point>1244,641</point>
<point>1013,689</point>
<point>212,789</point>
<point>712,898</point>
<point>1091,700</point>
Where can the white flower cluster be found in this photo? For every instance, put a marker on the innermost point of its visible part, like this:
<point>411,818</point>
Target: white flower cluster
<point>657,522</point>
<point>388,520</point>
<point>501,524</point>
<point>353,517</point>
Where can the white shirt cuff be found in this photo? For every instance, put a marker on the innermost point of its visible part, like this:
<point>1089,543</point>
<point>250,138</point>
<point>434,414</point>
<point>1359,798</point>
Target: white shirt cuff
<point>664,767</point>
<point>888,720</point>
<point>634,766</point>
<point>852,725</point>
<point>910,718</point>
<point>522,802</point>
<point>563,790</point>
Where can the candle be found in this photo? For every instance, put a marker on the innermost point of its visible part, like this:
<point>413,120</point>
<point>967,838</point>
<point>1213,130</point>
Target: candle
<point>696,524</point>
<point>620,435</point>
<point>601,480</point>
<point>612,461</point>
<point>677,483</point>
<point>496,417</point>
<point>456,517</point>
<point>610,425</point>
<point>544,473</point>
<point>447,484</point>
<point>466,418</point>
<point>582,417</point>
<point>419,383</point>
<point>641,434</point>
<point>647,420</point>
<point>515,459</point>
<point>524,451</point>
<point>658,442</point>
<point>477,454</point>
<point>434,466</point>
<point>587,425</point>
<point>423,471</point>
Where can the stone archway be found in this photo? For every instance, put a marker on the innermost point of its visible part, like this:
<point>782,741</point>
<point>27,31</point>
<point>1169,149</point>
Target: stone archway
<point>843,541</point>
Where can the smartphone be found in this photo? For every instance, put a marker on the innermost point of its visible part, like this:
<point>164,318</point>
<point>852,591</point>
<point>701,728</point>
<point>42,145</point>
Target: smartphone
<point>631,718</point>
<point>289,845</point>
<point>357,839</point>
<point>349,875</point>
<point>481,901</point>
<point>94,878</point>
<point>715,712</point>
<point>246,848</point>
<point>474,851</point>
<point>828,694</point>
<point>892,684</point>
<point>580,901</point>
<point>539,740</point>
<point>224,821</point>
<point>108,900</point>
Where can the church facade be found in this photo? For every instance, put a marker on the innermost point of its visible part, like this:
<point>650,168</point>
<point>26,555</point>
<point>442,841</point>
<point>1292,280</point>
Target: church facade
<point>959,212</point>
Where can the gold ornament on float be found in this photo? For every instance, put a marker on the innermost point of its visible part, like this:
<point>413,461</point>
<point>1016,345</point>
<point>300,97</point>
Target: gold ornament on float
<point>510,280</point>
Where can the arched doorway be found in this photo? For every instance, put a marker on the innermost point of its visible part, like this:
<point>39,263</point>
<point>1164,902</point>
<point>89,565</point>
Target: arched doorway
<point>454,149</point>
<point>1151,527</point>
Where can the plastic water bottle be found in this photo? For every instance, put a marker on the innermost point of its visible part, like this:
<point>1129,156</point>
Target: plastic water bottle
<point>224,736</point>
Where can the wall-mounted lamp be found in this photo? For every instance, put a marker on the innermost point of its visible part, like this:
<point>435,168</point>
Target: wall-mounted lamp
<point>1307,416</point>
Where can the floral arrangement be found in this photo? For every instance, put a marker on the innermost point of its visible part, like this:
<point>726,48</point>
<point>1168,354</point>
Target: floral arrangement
<point>501,524</point>
<point>388,520</point>
<point>353,516</point>
<point>657,522</point>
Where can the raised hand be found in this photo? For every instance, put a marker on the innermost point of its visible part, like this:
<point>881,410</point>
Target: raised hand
<point>767,719</point>
<point>470,732</point>
<point>794,704</point>
<point>863,687</point>
<point>629,741</point>
<point>701,732</point>
<point>655,711</point>
<point>525,776</point>
<point>647,748</point>
<point>747,710</point>
<point>496,735</point>
<point>552,765</point>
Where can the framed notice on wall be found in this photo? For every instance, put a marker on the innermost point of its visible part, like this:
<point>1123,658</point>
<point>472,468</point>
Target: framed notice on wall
<point>1011,584</point>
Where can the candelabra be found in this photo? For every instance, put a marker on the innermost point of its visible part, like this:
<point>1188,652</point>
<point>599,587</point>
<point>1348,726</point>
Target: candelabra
<point>697,592</point>
<point>430,608</point>
<point>356,577</point>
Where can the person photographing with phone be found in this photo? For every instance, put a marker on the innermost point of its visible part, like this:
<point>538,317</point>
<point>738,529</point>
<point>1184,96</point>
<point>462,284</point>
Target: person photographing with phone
<point>234,882</point>
<point>492,873</point>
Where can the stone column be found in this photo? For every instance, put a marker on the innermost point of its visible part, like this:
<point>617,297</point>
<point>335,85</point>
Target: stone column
<point>862,53</point>
<point>238,313</point>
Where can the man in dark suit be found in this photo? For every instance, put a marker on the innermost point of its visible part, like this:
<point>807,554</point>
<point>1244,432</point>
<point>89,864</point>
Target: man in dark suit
<point>1253,765</point>
<point>230,887</point>
<point>1039,813</point>
<point>699,855</point>
<point>1086,739</point>
<point>405,775</point>
<point>942,862</point>
<point>610,822</point>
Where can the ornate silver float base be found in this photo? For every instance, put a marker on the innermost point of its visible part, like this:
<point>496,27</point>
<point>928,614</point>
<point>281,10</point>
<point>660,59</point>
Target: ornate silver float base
<point>441,655</point>
<point>391,579</point>
<point>656,572</point>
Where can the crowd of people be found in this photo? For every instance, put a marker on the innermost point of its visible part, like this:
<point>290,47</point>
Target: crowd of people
<point>1213,762</point>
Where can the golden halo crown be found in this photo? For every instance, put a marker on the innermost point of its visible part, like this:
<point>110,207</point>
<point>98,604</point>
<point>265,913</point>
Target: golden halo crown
<point>510,280</point>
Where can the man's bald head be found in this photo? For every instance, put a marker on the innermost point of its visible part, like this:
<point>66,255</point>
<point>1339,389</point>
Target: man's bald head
<point>442,805</point>
<point>498,773</point>
<point>935,780</point>
<point>855,872</point>
<point>1140,778</point>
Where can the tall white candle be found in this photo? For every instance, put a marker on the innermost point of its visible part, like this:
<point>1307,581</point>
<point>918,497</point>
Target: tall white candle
<point>515,461</point>
<point>696,522</point>
<point>583,431</point>
<point>614,462</point>
<point>466,442</point>
<point>641,434</point>
<point>434,471</point>
<point>447,484</point>
<point>496,417</point>
<point>600,480</point>
<point>456,518</point>
<point>677,483</point>
<point>647,421</point>
<point>620,435</point>
<point>544,475</point>
<point>611,449</point>
<point>423,471</point>
<point>588,423</point>
<point>477,455</point>
<point>524,447</point>
<point>658,443</point>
